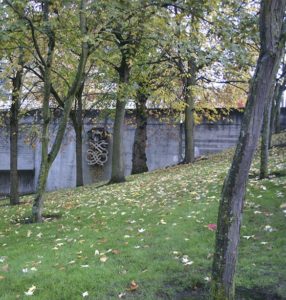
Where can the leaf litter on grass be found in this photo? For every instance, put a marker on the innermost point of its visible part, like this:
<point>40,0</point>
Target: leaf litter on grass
<point>147,218</point>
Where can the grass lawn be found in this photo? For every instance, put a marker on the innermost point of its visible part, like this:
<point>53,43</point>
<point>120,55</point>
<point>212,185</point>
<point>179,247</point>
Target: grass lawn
<point>147,238</point>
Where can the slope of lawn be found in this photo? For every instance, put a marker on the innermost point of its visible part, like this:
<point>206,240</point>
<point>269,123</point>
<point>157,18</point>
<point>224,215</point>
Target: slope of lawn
<point>149,238</point>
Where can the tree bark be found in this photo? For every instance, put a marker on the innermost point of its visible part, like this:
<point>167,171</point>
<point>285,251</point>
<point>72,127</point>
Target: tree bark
<point>265,136</point>
<point>139,158</point>
<point>37,207</point>
<point>117,172</point>
<point>49,157</point>
<point>233,192</point>
<point>79,171</point>
<point>277,128</point>
<point>77,121</point>
<point>273,113</point>
<point>189,83</point>
<point>14,129</point>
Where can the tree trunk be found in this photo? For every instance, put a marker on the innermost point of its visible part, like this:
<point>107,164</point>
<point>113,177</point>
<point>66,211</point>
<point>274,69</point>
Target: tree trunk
<point>277,128</point>
<point>117,172</point>
<point>49,157</point>
<point>77,125</point>
<point>38,204</point>
<point>265,137</point>
<point>14,129</point>
<point>139,158</point>
<point>77,121</point>
<point>78,142</point>
<point>233,192</point>
<point>41,185</point>
<point>273,113</point>
<point>189,82</point>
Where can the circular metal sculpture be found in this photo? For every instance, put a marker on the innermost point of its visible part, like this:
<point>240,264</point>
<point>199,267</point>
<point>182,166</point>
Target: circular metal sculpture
<point>97,153</point>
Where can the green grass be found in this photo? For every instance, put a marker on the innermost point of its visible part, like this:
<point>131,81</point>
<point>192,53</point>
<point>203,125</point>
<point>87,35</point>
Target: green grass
<point>145,228</point>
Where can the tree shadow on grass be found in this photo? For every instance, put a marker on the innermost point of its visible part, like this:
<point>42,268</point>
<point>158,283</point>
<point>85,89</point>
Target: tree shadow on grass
<point>29,220</point>
<point>202,292</point>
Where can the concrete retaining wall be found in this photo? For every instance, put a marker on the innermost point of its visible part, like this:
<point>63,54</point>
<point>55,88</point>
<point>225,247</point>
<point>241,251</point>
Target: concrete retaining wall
<point>165,147</point>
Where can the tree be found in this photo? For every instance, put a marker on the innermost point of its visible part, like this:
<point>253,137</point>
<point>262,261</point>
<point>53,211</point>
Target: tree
<point>127,31</point>
<point>272,105</point>
<point>139,158</point>
<point>272,40</point>
<point>14,55</point>
<point>280,87</point>
<point>46,22</point>
<point>196,26</point>
<point>49,157</point>
<point>14,129</point>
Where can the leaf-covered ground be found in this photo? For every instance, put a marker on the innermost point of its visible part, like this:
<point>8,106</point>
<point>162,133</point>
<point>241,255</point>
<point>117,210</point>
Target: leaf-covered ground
<point>149,238</point>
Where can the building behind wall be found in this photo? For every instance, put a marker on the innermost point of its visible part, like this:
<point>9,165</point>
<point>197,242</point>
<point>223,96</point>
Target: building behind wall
<point>165,147</point>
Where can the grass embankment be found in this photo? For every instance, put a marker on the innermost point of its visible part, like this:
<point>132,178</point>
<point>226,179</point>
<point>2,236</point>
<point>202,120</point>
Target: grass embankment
<point>152,230</point>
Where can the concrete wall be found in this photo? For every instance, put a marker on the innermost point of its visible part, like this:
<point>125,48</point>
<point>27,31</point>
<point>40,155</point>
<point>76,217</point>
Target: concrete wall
<point>165,147</point>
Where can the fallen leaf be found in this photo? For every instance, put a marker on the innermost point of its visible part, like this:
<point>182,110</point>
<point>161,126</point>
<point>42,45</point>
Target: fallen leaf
<point>248,236</point>
<point>268,228</point>
<point>114,251</point>
<point>85,294</point>
<point>121,295</point>
<point>2,277</point>
<point>133,286</point>
<point>103,258</point>
<point>212,227</point>
<point>30,291</point>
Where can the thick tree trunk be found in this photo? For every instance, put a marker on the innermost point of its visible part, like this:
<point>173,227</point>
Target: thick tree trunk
<point>233,192</point>
<point>139,158</point>
<point>189,83</point>
<point>49,157</point>
<point>117,172</point>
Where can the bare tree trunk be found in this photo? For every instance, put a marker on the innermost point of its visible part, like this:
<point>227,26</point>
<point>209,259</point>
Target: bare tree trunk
<point>139,158</point>
<point>273,113</point>
<point>189,83</point>
<point>233,192</point>
<point>77,121</point>
<point>14,129</point>
<point>49,157</point>
<point>265,136</point>
<point>79,171</point>
<point>264,154</point>
<point>277,128</point>
<point>117,172</point>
